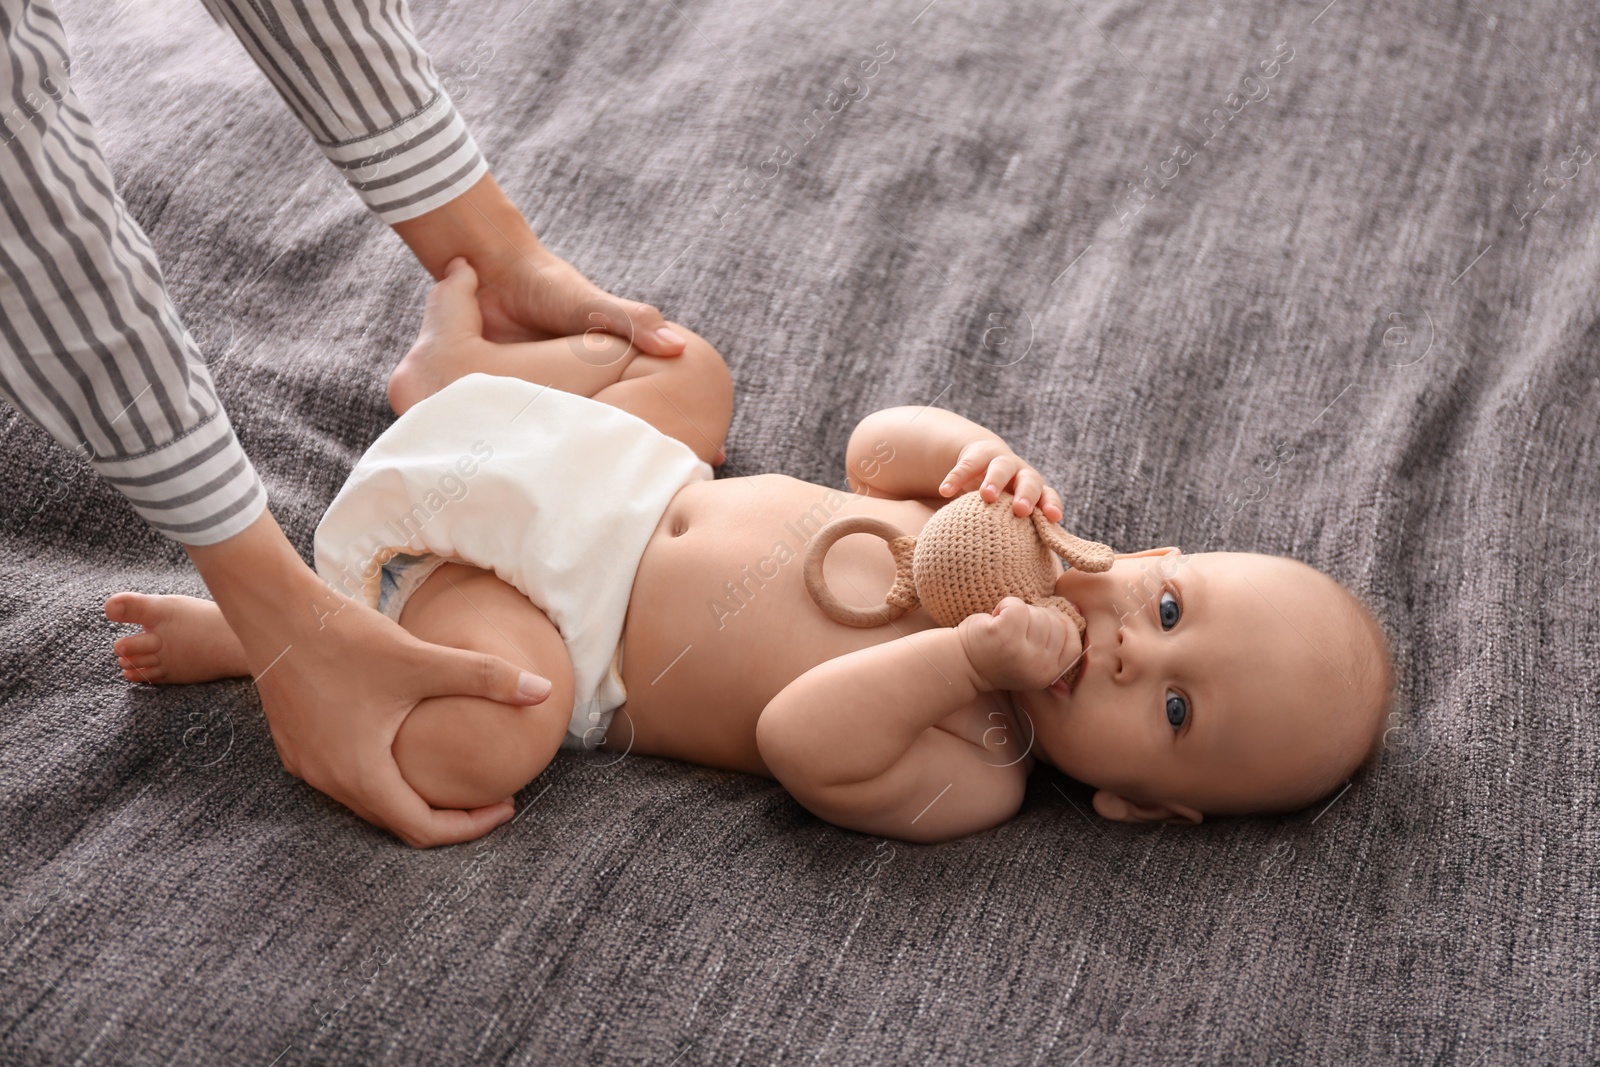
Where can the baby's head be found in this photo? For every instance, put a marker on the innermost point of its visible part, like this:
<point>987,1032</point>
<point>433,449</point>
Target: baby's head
<point>1212,684</point>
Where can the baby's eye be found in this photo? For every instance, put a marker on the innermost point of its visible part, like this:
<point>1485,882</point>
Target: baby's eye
<point>1170,610</point>
<point>1177,709</point>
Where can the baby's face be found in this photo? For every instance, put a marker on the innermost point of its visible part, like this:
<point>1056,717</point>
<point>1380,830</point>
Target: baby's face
<point>1209,682</point>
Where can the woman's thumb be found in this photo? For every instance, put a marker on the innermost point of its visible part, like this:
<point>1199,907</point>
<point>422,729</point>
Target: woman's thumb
<point>478,674</point>
<point>452,305</point>
<point>459,272</point>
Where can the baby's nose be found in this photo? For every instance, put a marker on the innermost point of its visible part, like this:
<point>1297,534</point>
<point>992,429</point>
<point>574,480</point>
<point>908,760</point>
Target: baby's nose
<point>1118,666</point>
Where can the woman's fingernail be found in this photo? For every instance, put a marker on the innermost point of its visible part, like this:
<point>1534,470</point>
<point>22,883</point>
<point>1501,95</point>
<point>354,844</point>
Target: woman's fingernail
<point>669,337</point>
<point>532,687</point>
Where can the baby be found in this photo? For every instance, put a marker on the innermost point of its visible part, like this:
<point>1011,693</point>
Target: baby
<point>553,503</point>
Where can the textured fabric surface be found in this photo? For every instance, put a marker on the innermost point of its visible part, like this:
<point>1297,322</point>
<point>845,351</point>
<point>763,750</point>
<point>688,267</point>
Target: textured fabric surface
<point>1346,313</point>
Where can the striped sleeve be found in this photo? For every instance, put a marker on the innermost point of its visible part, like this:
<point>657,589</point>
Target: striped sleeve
<point>91,347</point>
<point>353,73</point>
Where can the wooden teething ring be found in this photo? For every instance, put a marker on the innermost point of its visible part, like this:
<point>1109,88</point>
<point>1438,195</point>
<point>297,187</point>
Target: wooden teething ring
<point>817,585</point>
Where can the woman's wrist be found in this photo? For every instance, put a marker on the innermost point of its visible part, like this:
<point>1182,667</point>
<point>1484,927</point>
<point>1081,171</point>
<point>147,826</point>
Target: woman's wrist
<point>261,584</point>
<point>526,293</point>
<point>481,225</point>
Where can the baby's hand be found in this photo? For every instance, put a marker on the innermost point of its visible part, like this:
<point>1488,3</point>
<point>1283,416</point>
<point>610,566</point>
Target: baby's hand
<point>991,467</point>
<point>1020,646</point>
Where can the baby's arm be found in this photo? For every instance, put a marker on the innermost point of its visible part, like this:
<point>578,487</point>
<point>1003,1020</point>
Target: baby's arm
<point>930,454</point>
<point>854,738</point>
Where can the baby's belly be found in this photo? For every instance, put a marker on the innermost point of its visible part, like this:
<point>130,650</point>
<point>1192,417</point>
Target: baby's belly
<point>720,621</point>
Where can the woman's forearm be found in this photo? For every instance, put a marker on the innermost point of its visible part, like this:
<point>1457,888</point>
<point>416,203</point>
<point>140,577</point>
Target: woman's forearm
<point>481,225</point>
<point>851,718</point>
<point>263,587</point>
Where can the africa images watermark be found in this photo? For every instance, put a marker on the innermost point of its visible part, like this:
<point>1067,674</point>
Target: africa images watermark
<point>1550,185</point>
<point>32,104</point>
<point>1217,120</point>
<point>736,596</point>
<point>404,529</point>
<point>744,187</point>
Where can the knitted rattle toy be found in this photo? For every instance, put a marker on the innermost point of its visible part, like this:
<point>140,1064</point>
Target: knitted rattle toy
<point>968,557</point>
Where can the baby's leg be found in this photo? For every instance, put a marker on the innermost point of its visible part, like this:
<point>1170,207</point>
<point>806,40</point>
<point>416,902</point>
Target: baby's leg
<point>689,396</point>
<point>456,752</point>
<point>182,639</point>
<point>464,752</point>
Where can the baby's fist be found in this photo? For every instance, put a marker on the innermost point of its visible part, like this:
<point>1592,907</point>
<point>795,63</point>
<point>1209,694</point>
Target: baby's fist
<point>1020,646</point>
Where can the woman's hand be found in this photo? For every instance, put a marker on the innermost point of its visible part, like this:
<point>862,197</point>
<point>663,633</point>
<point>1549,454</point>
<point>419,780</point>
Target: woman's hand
<point>534,295</point>
<point>991,468</point>
<point>526,292</point>
<point>337,679</point>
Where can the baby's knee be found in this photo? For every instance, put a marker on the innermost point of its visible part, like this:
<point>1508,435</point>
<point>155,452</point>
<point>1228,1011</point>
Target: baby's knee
<point>699,358</point>
<point>699,389</point>
<point>465,752</point>
<point>703,357</point>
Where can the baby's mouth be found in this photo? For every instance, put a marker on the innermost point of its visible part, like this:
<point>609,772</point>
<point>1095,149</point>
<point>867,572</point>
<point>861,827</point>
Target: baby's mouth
<point>1061,687</point>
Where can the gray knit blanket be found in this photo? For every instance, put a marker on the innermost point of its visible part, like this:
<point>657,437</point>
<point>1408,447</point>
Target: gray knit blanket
<point>1302,278</point>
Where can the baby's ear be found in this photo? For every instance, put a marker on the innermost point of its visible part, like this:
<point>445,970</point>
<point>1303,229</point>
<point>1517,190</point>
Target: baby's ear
<point>1169,549</point>
<point>1120,809</point>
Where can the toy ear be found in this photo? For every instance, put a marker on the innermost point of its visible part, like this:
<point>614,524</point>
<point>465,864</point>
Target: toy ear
<point>1083,555</point>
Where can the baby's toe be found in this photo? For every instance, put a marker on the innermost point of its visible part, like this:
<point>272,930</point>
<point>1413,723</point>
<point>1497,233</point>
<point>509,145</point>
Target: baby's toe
<point>151,674</point>
<point>140,644</point>
<point>140,609</point>
<point>120,607</point>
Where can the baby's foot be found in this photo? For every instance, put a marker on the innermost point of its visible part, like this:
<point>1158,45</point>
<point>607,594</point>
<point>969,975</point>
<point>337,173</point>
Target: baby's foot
<point>417,376</point>
<point>452,329</point>
<point>184,640</point>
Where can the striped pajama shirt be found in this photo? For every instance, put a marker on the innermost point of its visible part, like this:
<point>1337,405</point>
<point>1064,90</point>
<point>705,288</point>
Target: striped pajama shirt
<point>91,347</point>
